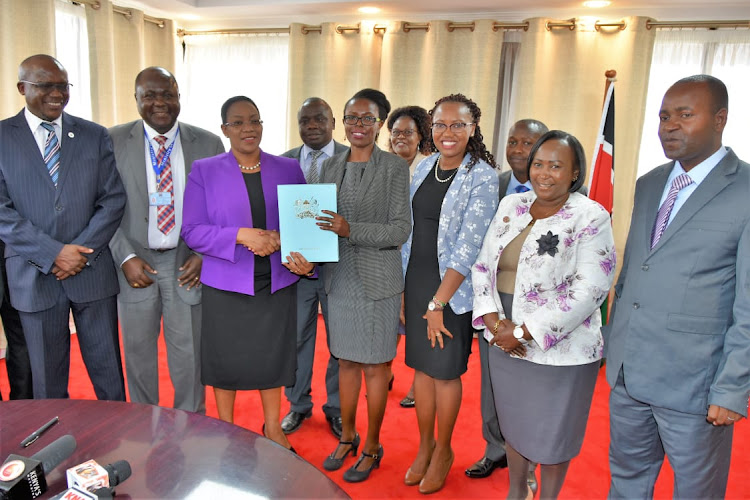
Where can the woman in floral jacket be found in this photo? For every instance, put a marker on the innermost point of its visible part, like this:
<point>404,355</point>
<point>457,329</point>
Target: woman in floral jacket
<point>545,267</point>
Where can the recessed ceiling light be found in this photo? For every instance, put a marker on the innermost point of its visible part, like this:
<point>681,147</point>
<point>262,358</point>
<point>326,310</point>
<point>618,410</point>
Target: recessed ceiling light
<point>596,4</point>
<point>369,10</point>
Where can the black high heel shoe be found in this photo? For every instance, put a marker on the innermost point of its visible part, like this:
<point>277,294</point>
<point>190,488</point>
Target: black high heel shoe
<point>291,448</point>
<point>353,475</point>
<point>333,463</point>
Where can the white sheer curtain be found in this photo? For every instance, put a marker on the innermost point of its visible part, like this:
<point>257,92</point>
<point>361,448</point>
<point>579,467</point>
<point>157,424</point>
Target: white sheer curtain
<point>217,67</point>
<point>72,50</point>
<point>724,54</point>
<point>505,95</point>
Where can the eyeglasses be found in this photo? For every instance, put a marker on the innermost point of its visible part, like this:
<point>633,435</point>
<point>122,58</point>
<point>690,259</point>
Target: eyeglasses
<point>402,133</point>
<point>367,121</point>
<point>239,124</point>
<point>47,87</point>
<point>455,127</point>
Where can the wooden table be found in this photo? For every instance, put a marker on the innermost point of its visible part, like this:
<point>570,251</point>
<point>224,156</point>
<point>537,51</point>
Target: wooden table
<point>173,453</point>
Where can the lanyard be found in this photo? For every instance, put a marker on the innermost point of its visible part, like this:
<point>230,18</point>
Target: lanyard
<point>158,167</point>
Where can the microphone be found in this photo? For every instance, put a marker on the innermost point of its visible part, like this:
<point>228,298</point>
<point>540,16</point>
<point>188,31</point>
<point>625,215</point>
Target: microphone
<point>91,481</point>
<point>23,478</point>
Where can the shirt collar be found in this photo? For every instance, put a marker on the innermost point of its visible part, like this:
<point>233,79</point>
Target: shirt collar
<point>34,121</point>
<point>699,172</point>
<point>327,150</point>
<point>170,135</point>
<point>514,183</point>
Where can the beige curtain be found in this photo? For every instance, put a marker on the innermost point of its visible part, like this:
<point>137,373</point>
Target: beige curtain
<point>419,67</point>
<point>560,80</point>
<point>121,46</point>
<point>117,48</point>
<point>27,27</point>
<point>332,66</point>
<point>415,67</point>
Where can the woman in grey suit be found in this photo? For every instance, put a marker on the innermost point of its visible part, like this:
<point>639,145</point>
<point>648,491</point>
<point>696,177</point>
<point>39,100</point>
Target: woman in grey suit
<point>364,287</point>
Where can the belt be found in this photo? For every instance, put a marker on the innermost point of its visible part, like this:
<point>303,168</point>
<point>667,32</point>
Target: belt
<point>162,250</point>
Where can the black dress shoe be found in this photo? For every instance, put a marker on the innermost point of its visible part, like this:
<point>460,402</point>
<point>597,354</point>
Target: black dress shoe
<point>335,424</point>
<point>485,466</point>
<point>353,475</point>
<point>292,421</point>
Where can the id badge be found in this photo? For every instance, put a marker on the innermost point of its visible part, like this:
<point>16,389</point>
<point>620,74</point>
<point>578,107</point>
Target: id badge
<point>160,198</point>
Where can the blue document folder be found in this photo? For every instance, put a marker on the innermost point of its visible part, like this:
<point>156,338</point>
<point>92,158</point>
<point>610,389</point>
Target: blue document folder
<point>299,204</point>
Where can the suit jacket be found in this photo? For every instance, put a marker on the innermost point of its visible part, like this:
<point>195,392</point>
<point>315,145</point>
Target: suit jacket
<point>556,296</point>
<point>465,215</point>
<point>217,205</point>
<point>504,178</point>
<point>132,235</point>
<point>680,325</point>
<point>295,152</point>
<point>381,221</point>
<point>37,219</point>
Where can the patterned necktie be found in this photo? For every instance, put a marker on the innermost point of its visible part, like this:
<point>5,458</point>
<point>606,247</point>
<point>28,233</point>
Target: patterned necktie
<point>522,189</point>
<point>312,174</point>
<point>52,152</point>
<point>165,218</point>
<point>680,182</point>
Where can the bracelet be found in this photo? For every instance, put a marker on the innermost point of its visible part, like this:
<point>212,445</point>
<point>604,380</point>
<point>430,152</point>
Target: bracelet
<point>497,325</point>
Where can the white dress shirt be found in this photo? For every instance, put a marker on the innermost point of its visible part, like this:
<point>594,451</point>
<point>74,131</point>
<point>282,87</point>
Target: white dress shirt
<point>305,158</point>
<point>40,133</point>
<point>698,173</point>
<point>156,239</point>
<point>514,183</point>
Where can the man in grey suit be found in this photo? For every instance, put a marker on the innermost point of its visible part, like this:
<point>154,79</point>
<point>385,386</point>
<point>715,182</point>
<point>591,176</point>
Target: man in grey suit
<point>159,275</point>
<point>678,341</point>
<point>521,137</point>
<point>316,125</point>
<point>61,200</point>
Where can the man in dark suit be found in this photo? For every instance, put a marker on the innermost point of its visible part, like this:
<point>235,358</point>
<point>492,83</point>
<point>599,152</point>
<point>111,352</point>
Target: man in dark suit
<point>17,361</point>
<point>159,275</point>
<point>521,137</point>
<point>678,341</point>
<point>61,200</point>
<point>316,124</point>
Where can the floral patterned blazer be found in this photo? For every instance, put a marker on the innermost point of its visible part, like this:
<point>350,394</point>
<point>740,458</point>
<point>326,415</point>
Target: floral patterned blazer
<point>465,214</point>
<point>565,271</point>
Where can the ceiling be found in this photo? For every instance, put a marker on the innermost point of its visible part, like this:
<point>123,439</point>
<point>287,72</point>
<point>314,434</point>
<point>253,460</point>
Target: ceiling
<point>213,14</point>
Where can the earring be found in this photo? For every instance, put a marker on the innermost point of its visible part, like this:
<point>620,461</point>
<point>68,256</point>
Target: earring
<point>575,178</point>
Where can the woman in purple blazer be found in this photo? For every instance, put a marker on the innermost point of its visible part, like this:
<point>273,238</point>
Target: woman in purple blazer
<point>231,216</point>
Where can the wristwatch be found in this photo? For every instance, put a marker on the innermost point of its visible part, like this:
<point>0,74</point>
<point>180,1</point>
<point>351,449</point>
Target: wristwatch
<point>518,334</point>
<point>436,305</point>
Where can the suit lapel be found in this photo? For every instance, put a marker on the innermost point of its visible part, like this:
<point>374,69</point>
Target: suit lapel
<point>449,200</point>
<point>371,169</point>
<point>134,153</point>
<point>718,179</point>
<point>187,141</point>
<point>651,202</point>
<point>23,136</point>
<point>69,145</point>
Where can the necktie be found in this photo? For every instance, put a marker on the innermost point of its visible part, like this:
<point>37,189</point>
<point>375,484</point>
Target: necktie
<point>165,218</point>
<point>521,189</point>
<point>312,173</point>
<point>52,152</point>
<point>680,182</point>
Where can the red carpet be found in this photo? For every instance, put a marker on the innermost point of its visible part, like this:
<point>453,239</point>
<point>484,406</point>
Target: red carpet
<point>588,476</point>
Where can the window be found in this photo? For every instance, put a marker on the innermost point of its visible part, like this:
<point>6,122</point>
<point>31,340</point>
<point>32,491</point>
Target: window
<point>72,50</point>
<point>724,54</point>
<point>217,67</point>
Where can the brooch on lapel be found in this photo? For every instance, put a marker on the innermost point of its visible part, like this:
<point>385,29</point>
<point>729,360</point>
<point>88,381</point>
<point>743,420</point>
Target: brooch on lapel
<point>548,244</point>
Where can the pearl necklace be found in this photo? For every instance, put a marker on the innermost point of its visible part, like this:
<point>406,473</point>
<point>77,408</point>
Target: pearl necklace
<point>437,165</point>
<point>249,169</point>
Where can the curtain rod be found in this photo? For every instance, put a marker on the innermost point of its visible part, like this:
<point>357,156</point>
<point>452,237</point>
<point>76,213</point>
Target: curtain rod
<point>96,5</point>
<point>712,25</point>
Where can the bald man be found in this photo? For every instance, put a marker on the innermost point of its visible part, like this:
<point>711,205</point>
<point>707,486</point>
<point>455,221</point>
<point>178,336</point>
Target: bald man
<point>61,200</point>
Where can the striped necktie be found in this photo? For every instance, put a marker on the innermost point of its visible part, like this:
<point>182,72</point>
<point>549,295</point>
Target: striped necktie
<point>662,218</point>
<point>52,152</point>
<point>313,176</point>
<point>165,216</point>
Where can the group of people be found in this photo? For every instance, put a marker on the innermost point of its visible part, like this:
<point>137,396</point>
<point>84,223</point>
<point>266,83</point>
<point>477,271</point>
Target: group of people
<point>152,219</point>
